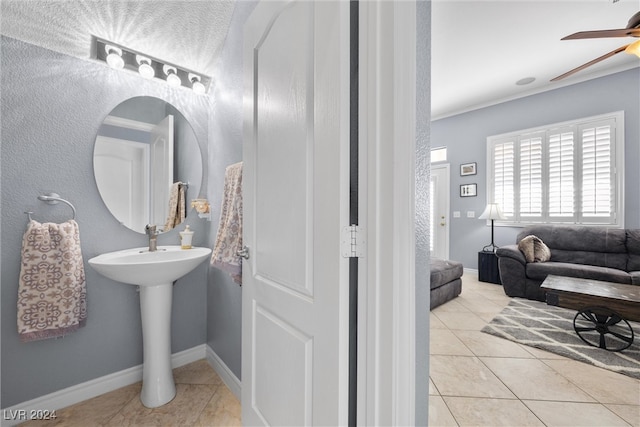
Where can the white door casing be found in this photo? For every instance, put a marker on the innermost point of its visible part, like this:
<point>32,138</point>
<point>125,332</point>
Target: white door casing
<point>296,198</point>
<point>440,206</point>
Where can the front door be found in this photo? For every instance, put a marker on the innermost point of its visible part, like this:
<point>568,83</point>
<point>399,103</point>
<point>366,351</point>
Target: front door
<point>440,211</point>
<point>296,199</point>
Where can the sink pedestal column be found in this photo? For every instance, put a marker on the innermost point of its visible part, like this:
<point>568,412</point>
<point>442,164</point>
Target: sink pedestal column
<point>158,386</point>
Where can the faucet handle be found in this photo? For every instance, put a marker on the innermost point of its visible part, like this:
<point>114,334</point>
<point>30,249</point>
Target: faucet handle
<point>150,230</point>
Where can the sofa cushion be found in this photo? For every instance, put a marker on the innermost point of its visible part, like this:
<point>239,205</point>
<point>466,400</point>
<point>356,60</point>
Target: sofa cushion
<point>444,271</point>
<point>540,271</point>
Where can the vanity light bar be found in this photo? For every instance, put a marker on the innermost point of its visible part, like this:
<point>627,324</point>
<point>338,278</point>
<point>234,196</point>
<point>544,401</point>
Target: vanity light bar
<point>149,67</point>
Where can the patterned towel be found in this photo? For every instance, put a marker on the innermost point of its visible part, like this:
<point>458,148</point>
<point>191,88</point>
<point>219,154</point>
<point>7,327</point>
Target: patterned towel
<point>52,295</point>
<point>229,239</point>
<point>177,206</point>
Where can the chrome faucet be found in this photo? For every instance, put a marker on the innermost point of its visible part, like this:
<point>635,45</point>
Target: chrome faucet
<point>153,237</point>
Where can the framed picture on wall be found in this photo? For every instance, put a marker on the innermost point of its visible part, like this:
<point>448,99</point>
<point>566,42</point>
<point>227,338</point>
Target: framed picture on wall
<point>468,169</point>
<point>468,190</point>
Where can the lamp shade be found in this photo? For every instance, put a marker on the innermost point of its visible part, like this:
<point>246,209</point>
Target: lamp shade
<point>492,211</point>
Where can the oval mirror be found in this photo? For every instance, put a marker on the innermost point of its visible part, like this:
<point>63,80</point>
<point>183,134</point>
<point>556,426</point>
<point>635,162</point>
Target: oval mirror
<point>147,164</point>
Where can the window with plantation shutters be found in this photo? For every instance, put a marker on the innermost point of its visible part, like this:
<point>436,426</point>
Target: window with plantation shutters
<point>563,173</point>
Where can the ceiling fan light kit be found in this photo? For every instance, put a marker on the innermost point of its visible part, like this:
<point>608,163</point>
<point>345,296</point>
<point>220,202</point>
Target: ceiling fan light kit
<point>632,30</point>
<point>633,49</point>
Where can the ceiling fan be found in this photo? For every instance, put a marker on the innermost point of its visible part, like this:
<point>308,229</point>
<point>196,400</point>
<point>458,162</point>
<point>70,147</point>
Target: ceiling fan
<point>632,30</point>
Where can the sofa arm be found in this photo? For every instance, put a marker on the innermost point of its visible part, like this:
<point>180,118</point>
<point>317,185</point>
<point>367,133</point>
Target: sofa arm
<point>511,251</point>
<point>513,270</point>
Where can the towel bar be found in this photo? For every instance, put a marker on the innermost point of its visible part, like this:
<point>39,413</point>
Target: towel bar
<point>53,199</point>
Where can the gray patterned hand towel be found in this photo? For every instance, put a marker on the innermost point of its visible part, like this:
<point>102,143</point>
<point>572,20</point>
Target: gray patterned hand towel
<point>52,291</point>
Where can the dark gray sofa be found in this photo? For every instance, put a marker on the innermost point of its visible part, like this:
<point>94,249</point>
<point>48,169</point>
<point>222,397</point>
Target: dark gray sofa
<point>446,282</point>
<point>607,254</point>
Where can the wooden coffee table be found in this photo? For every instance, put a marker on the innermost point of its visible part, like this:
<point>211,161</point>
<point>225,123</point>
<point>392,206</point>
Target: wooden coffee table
<point>604,309</point>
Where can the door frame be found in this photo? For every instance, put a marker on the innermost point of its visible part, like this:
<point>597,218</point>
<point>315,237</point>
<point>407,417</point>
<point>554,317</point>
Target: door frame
<point>387,145</point>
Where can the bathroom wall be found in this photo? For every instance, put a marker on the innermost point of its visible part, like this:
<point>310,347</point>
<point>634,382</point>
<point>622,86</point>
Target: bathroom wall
<point>224,297</point>
<point>465,136</point>
<point>52,107</point>
<point>423,251</point>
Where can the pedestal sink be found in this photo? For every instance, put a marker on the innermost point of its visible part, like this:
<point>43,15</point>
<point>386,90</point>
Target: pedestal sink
<point>155,273</point>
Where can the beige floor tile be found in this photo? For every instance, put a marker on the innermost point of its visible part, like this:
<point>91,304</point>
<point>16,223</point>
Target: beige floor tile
<point>96,411</point>
<point>603,385</point>
<point>629,413</point>
<point>183,410</point>
<point>439,414</point>
<point>574,414</point>
<point>532,379</point>
<point>461,320</point>
<point>435,323</point>
<point>478,303</point>
<point>222,410</point>
<point>432,389</point>
<point>199,372</point>
<point>482,344</point>
<point>465,376</point>
<point>470,411</point>
<point>451,306</point>
<point>443,341</point>
<point>543,354</point>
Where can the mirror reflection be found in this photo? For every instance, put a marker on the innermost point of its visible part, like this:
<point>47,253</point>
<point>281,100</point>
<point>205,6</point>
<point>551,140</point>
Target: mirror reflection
<point>147,164</point>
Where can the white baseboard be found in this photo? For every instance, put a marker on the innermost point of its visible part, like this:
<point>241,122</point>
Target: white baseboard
<point>223,371</point>
<point>89,389</point>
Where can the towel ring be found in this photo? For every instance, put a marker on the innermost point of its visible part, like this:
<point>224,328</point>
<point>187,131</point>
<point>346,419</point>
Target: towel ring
<point>53,199</point>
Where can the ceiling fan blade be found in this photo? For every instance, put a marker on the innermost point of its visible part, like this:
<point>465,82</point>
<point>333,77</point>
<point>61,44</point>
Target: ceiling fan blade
<point>590,63</point>
<point>598,34</point>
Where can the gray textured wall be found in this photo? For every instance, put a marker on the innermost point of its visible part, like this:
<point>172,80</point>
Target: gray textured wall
<point>224,297</point>
<point>52,107</point>
<point>465,136</point>
<point>423,145</point>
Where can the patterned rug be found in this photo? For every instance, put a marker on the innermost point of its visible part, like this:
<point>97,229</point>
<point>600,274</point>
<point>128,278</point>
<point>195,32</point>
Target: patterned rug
<point>550,328</point>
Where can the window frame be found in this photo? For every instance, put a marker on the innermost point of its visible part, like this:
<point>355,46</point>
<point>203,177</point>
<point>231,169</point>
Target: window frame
<point>617,173</point>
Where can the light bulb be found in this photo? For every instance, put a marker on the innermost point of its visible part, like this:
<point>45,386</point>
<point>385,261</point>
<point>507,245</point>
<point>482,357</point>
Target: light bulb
<point>145,69</point>
<point>196,84</point>
<point>172,78</point>
<point>634,49</point>
<point>114,57</point>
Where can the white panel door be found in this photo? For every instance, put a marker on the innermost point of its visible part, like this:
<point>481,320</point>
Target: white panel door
<point>125,193</point>
<point>161,169</point>
<point>440,200</point>
<point>295,195</point>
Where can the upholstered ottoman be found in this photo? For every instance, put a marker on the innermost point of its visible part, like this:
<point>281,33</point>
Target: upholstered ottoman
<point>445,281</point>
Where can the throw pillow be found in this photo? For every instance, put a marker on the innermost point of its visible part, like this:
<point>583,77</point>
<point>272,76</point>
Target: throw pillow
<point>534,249</point>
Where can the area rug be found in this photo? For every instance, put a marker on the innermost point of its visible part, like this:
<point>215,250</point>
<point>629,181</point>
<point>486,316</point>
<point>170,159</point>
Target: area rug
<point>536,324</point>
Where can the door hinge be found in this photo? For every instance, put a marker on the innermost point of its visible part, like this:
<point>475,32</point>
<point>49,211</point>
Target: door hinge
<point>353,242</point>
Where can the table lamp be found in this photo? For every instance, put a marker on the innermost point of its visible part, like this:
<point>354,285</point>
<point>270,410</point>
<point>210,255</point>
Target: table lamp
<point>492,212</point>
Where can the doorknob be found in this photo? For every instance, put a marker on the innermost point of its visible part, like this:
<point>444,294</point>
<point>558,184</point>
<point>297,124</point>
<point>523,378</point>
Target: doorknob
<point>243,253</point>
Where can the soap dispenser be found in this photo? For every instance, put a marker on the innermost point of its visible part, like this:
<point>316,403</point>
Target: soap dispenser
<point>186,237</point>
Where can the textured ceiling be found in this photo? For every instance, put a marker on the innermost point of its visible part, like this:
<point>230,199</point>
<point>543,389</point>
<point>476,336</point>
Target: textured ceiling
<point>480,48</point>
<point>186,33</point>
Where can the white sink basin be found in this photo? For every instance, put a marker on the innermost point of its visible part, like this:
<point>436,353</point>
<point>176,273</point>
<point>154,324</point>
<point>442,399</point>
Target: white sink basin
<point>138,266</point>
<point>154,272</point>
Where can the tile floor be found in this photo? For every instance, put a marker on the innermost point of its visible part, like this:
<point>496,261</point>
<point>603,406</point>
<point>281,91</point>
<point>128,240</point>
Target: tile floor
<point>202,399</point>
<point>481,380</point>
<point>476,379</point>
